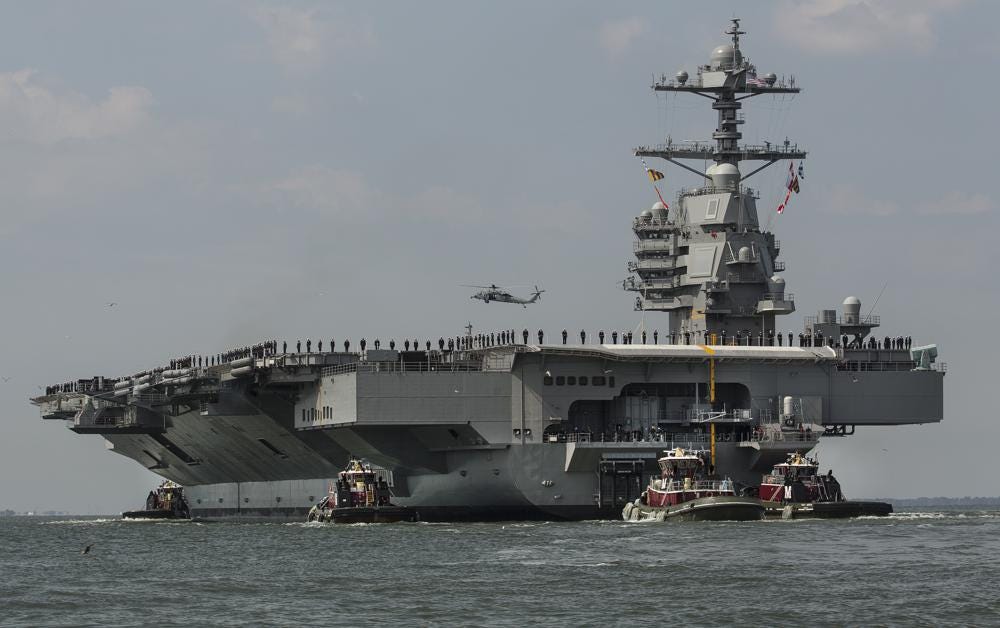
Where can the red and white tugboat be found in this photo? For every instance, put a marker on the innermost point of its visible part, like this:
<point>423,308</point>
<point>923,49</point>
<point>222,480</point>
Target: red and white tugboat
<point>685,492</point>
<point>359,495</point>
<point>795,489</point>
<point>166,501</point>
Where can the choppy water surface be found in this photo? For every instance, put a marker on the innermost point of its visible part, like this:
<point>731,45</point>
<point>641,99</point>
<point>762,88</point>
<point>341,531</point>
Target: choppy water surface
<point>916,568</point>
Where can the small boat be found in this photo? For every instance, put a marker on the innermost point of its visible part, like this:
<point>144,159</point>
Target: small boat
<point>359,495</point>
<point>166,501</point>
<point>685,492</point>
<point>794,489</point>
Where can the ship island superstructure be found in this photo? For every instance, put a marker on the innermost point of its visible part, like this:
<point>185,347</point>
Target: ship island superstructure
<point>518,424</point>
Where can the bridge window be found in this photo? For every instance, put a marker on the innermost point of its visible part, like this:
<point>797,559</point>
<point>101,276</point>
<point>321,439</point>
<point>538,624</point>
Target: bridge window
<point>598,380</point>
<point>560,380</point>
<point>571,380</point>
<point>547,380</point>
<point>583,380</point>
<point>611,381</point>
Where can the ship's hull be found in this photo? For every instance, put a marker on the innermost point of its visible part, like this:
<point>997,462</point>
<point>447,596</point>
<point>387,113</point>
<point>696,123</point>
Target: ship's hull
<point>533,481</point>
<point>152,514</point>
<point>720,508</point>
<point>364,514</point>
<point>502,440</point>
<point>828,510</point>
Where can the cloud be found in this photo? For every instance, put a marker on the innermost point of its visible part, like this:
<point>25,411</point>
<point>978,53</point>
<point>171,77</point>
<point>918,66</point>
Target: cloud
<point>66,155</point>
<point>340,193</point>
<point>958,203</point>
<point>858,26</point>
<point>291,103</point>
<point>616,36</point>
<point>31,112</point>
<point>303,40</point>
<point>849,199</point>
<point>348,197</point>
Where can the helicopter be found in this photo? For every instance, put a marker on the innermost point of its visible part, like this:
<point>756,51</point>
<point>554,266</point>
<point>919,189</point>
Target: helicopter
<point>494,292</point>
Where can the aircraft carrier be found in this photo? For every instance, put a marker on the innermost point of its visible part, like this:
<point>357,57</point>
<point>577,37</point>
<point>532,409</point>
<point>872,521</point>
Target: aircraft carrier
<point>521,424</point>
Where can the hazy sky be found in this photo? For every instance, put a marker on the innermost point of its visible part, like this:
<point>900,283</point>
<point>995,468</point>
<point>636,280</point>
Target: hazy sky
<point>228,172</point>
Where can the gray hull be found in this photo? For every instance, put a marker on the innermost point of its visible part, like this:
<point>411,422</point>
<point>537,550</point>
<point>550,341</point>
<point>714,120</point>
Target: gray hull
<point>509,445</point>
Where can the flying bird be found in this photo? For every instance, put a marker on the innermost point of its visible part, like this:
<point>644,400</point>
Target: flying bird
<point>112,304</point>
<point>5,379</point>
<point>86,550</point>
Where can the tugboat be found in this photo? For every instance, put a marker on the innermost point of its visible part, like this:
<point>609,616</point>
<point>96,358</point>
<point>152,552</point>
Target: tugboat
<point>166,501</point>
<point>359,495</point>
<point>794,489</point>
<point>684,492</point>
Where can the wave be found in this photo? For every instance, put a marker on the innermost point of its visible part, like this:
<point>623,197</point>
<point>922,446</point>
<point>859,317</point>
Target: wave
<point>83,521</point>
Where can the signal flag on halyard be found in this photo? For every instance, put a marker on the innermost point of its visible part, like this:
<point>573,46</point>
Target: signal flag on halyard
<point>654,176</point>
<point>791,185</point>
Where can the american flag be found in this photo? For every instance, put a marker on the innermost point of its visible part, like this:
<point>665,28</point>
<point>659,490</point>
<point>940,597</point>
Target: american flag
<point>753,81</point>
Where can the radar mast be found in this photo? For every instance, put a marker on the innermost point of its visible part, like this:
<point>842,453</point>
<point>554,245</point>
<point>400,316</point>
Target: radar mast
<point>708,263</point>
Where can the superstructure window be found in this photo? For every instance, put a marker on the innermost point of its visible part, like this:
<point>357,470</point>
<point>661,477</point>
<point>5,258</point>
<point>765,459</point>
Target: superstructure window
<point>598,380</point>
<point>560,380</point>
<point>571,380</point>
<point>547,380</point>
<point>583,380</point>
<point>713,210</point>
<point>611,381</point>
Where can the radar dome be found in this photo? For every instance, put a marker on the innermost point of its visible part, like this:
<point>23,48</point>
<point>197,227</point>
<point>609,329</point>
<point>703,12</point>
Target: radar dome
<point>724,175</point>
<point>852,310</point>
<point>776,286</point>
<point>725,57</point>
<point>770,78</point>
<point>659,211</point>
<point>744,254</point>
<point>646,215</point>
<point>681,77</point>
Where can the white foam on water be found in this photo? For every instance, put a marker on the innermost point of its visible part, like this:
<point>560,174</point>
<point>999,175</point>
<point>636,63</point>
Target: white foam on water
<point>79,522</point>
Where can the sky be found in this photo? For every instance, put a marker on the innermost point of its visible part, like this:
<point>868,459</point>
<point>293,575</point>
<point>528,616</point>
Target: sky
<point>228,172</point>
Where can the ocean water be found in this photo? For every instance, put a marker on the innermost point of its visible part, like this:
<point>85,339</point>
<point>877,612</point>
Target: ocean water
<point>913,568</point>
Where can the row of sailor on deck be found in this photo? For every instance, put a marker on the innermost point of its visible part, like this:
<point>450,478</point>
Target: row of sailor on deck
<point>506,338</point>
